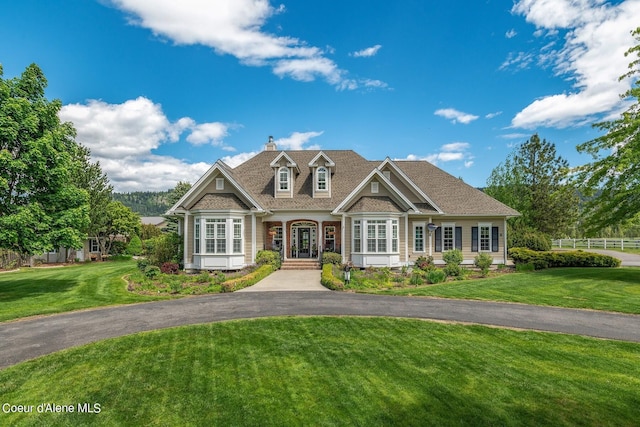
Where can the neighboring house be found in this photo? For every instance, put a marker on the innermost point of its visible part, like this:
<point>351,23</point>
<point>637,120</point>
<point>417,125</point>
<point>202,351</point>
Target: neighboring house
<point>375,213</point>
<point>157,221</point>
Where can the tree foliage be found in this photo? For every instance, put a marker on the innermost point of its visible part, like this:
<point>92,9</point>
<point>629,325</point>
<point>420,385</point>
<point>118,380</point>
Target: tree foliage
<point>533,180</point>
<point>119,222</point>
<point>613,178</point>
<point>40,207</point>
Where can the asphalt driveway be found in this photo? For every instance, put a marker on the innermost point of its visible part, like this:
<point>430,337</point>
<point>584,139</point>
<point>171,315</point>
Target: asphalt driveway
<point>26,339</point>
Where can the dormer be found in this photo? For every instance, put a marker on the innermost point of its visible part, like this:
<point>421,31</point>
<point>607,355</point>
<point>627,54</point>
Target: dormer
<point>285,171</point>
<point>322,167</point>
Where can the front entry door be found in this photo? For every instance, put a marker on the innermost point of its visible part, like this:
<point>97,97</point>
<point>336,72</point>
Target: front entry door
<point>304,242</point>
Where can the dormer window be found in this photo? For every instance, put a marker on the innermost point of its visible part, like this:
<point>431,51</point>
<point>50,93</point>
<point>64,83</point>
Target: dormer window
<point>321,179</point>
<point>283,179</point>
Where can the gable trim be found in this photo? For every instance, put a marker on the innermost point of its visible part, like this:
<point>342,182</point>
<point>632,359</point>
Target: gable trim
<point>314,162</point>
<point>204,180</point>
<point>392,188</point>
<point>290,162</point>
<point>410,182</point>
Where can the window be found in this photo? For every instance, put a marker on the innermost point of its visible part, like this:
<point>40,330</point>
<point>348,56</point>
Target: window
<point>237,236</point>
<point>376,236</point>
<point>321,179</point>
<point>485,238</point>
<point>196,236</point>
<point>94,245</point>
<point>357,236</point>
<point>374,187</point>
<point>447,237</point>
<point>394,235</point>
<point>283,179</point>
<point>387,174</point>
<point>418,241</point>
<point>330,238</point>
<point>219,183</point>
<point>215,236</point>
<point>276,237</point>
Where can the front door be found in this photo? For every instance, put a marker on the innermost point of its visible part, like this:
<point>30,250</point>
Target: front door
<point>304,242</point>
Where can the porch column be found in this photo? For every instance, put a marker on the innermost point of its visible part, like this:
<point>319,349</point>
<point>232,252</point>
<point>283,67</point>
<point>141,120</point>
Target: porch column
<point>406,238</point>
<point>504,244</point>
<point>185,229</point>
<point>342,239</point>
<point>253,236</point>
<point>430,238</point>
<point>285,248</point>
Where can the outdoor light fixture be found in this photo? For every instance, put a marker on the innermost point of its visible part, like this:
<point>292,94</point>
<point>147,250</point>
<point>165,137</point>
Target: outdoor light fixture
<point>431,227</point>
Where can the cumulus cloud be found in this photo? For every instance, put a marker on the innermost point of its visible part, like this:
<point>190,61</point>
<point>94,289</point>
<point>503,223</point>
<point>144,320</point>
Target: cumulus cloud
<point>122,138</point>
<point>455,151</point>
<point>297,141</point>
<point>370,51</point>
<point>456,116</point>
<point>591,56</point>
<point>511,34</point>
<point>235,27</point>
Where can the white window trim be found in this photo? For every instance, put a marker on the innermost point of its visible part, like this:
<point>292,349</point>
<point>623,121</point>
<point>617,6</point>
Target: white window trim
<point>423,225</point>
<point>229,235</point>
<point>219,183</point>
<point>452,225</point>
<point>480,226</point>
<point>326,179</point>
<point>364,235</point>
<point>280,182</point>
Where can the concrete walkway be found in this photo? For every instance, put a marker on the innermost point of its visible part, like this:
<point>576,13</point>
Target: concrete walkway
<point>26,339</point>
<point>289,280</point>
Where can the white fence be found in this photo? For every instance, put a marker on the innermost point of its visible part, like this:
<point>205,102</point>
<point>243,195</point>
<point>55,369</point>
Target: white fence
<point>600,243</point>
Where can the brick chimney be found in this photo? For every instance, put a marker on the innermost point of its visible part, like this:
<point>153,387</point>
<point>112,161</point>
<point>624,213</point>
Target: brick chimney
<point>270,146</point>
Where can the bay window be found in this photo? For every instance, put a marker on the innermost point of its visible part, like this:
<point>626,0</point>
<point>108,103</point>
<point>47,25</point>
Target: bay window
<point>196,236</point>
<point>381,234</point>
<point>218,236</point>
<point>237,236</point>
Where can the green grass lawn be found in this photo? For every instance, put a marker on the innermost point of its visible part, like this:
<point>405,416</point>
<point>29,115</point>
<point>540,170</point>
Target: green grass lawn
<point>611,289</point>
<point>334,371</point>
<point>53,290</point>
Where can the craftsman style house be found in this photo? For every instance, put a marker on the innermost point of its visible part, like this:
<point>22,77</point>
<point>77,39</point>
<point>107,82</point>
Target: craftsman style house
<point>374,213</point>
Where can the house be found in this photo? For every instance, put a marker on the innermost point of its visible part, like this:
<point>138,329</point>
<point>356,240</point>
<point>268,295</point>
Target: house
<point>159,222</point>
<point>374,213</point>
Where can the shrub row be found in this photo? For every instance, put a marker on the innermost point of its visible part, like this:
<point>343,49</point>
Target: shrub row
<point>269,257</point>
<point>541,260</point>
<point>331,258</point>
<point>328,280</point>
<point>248,280</point>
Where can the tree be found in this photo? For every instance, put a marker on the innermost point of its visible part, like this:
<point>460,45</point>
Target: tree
<point>175,194</point>
<point>613,179</point>
<point>533,180</point>
<point>119,222</point>
<point>40,207</point>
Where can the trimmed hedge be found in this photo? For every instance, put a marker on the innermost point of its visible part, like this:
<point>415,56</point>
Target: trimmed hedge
<point>331,258</point>
<point>550,259</point>
<point>269,257</point>
<point>248,280</point>
<point>330,281</point>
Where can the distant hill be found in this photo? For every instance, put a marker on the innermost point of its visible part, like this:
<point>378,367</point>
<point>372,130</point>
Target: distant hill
<point>145,203</point>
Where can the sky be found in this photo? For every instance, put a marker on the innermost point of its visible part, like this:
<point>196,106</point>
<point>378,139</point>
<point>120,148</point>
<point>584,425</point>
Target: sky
<point>161,89</point>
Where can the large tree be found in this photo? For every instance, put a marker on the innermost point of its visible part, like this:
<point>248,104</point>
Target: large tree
<point>119,222</point>
<point>533,180</point>
<point>613,178</point>
<point>40,207</point>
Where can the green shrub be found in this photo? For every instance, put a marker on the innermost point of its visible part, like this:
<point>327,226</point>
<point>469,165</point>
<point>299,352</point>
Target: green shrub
<point>328,280</point>
<point>143,263</point>
<point>483,261</point>
<point>120,258</point>
<point>164,248</point>
<point>117,247</point>
<point>549,259</point>
<point>417,277</point>
<point>331,258</point>
<point>453,258</point>
<point>135,246</point>
<point>424,263</point>
<point>269,257</point>
<point>436,275</point>
<point>249,279</point>
<point>152,271</point>
<point>527,237</point>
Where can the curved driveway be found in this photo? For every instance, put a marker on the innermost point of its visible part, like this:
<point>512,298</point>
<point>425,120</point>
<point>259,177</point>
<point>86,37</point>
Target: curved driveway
<point>26,339</point>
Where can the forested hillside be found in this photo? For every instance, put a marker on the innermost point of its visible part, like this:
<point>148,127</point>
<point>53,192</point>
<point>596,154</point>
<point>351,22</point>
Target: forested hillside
<point>145,203</point>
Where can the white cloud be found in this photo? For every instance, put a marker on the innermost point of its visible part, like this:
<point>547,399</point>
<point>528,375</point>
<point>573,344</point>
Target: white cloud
<point>455,151</point>
<point>235,27</point>
<point>592,57</point>
<point>297,140</point>
<point>455,116</point>
<point>122,138</point>
<point>511,34</point>
<point>239,158</point>
<point>515,136</point>
<point>492,115</point>
<point>370,51</point>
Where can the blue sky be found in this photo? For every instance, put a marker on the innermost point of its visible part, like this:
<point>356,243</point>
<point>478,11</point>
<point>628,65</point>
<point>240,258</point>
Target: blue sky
<point>161,89</point>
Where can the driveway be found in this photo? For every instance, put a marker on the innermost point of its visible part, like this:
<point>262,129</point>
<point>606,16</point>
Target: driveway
<point>26,339</point>
<point>628,260</point>
<point>289,280</point>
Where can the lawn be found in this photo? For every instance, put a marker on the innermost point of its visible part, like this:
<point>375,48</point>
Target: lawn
<point>610,289</point>
<point>334,371</point>
<point>53,290</point>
